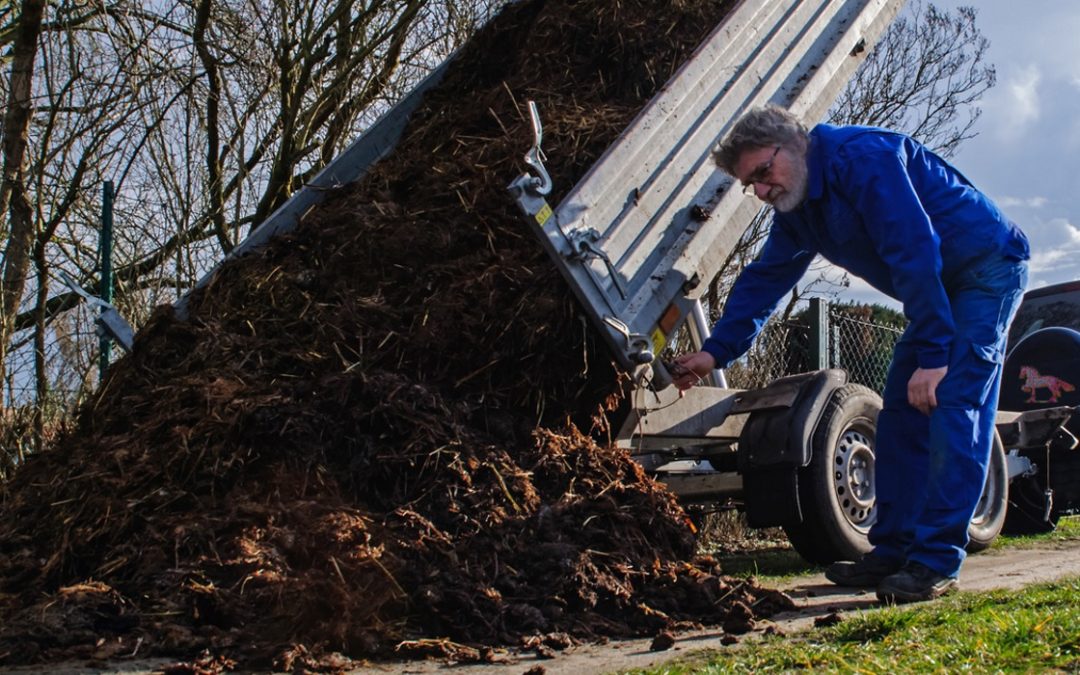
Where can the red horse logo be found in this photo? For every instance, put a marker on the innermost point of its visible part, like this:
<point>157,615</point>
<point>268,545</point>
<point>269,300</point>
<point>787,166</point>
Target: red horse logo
<point>1033,381</point>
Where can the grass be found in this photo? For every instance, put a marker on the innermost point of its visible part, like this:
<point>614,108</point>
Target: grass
<point>1037,630</point>
<point>1068,529</point>
<point>767,555</point>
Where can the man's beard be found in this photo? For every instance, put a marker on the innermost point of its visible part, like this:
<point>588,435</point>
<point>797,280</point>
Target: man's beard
<point>789,200</point>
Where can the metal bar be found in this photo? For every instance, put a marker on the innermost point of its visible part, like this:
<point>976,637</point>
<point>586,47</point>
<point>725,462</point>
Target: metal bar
<point>819,333</point>
<point>699,331</point>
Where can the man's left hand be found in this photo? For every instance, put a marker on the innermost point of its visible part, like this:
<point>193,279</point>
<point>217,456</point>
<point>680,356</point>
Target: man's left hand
<point>922,388</point>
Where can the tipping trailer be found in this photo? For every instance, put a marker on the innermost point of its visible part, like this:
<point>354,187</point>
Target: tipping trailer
<point>641,235</point>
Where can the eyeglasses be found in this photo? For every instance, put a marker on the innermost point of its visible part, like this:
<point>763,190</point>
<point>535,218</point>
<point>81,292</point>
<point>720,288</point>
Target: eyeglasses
<point>759,174</point>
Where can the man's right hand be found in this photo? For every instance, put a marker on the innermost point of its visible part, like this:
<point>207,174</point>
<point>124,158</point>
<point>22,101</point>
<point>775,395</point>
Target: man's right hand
<point>922,388</point>
<point>692,368</point>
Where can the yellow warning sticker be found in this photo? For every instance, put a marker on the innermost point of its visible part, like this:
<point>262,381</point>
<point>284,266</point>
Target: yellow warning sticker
<point>658,341</point>
<point>544,214</point>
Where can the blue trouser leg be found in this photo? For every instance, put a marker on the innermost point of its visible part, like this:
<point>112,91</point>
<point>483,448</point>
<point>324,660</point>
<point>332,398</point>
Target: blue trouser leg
<point>901,455</point>
<point>930,471</point>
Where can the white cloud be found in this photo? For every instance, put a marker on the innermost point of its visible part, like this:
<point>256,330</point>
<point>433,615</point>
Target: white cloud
<point>1049,260</point>
<point>1055,252</point>
<point>1059,232</point>
<point>1021,107</point>
<point>1027,202</point>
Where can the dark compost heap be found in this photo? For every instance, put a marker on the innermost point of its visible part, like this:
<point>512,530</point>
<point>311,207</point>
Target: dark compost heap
<point>385,433</point>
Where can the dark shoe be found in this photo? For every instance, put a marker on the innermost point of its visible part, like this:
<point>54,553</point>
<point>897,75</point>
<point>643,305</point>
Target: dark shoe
<point>915,583</point>
<point>868,571</point>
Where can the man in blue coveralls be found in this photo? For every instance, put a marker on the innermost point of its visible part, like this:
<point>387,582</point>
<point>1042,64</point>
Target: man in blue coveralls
<point>887,209</point>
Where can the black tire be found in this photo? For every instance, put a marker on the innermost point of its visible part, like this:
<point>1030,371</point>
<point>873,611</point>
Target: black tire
<point>836,490</point>
<point>992,510</point>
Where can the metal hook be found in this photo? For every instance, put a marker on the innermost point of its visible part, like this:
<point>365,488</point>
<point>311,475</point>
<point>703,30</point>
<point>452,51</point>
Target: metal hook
<point>534,157</point>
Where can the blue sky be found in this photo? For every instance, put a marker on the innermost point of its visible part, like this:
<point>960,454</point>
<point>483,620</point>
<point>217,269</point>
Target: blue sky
<point>1026,156</point>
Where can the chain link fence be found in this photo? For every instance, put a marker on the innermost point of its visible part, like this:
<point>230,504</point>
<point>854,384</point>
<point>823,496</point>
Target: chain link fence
<point>862,348</point>
<point>781,349</point>
<point>854,342</point>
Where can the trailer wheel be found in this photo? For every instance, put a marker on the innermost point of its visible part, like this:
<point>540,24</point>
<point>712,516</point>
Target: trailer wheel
<point>993,505</point>
<point>836,490</point>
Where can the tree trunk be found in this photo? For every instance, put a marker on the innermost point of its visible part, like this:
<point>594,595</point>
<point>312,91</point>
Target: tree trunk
<point>13,197</point>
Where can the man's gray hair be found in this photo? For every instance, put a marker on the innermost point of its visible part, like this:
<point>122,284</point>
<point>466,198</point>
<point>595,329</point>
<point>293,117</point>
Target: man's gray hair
<point>760,128</point>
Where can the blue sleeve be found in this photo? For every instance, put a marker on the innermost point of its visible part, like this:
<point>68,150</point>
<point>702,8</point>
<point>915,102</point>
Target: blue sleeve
<point>755,294</point>
<point>879,186</point>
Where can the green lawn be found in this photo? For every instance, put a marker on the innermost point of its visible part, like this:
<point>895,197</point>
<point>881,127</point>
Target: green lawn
<point>774,562</point>
<point>1068,529</point>
<point>1036,630</point>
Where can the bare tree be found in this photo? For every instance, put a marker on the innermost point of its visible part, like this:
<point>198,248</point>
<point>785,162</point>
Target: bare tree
<point>15,201</point>
<point>207,114</point>
<point>925,78</point>
<point>266,93</point>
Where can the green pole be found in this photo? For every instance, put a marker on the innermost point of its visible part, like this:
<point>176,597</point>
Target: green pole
<point>105,258</point>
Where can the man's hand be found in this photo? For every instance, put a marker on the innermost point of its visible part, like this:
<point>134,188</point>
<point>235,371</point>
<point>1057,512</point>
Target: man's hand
<point>922,388</point>
<point>692,368</point>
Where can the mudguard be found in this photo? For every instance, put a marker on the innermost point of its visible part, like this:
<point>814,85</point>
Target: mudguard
<point>783,417</point>
<point>776,442</point>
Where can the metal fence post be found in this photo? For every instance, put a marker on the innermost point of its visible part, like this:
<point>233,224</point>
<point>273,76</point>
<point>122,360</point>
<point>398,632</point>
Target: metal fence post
<point>819,333</point>
<point>836,354</point>
<point>105,258</point>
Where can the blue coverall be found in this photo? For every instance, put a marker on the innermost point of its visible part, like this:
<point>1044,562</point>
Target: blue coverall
<point>888,210</point>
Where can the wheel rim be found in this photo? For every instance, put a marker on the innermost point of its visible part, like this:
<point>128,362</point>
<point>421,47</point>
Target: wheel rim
<point>991,495</point>
<point>853,476</point>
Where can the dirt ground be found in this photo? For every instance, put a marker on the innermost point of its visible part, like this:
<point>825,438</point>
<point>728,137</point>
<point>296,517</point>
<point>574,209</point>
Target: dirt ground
<point>814,596</point>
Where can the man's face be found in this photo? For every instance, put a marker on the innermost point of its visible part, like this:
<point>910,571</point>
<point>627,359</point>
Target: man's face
<point>776,174</point>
